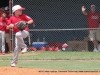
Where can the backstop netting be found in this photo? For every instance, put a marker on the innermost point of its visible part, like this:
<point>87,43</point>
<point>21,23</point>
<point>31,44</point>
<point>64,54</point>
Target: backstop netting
<point>59,22</point>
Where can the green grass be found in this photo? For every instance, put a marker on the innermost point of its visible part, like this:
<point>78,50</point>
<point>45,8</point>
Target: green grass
<point>84,61</point>
<point>55,55</point>
<point>64,65</point>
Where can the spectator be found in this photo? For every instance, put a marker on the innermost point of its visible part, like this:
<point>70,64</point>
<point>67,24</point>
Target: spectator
<point>93,18</point>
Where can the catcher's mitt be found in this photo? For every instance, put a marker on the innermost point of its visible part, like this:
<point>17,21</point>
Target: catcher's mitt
<point>21,25</point>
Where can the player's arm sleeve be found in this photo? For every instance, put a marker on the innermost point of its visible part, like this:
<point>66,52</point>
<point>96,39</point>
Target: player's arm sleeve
<point>8,23</point>
<point>29,19</point>
<point>6,20</point>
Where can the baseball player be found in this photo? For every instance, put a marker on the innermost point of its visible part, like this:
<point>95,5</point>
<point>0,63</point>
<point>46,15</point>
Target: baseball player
<point>3,22</point>
<point>7,31</point>
<point>6,10</point>
<point>19,35</point>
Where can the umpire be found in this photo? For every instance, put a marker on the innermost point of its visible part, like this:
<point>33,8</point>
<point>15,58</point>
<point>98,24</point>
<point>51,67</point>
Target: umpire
<point>19,34</point>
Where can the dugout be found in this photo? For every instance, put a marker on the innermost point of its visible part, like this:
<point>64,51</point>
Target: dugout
<point>4,3</point>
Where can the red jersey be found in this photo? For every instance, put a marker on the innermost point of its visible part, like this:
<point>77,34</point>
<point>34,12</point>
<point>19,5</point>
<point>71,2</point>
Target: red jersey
<point>7,15</point>
<point>3,24</point>
<point>7,31</point>
<point>14,20</point>
<point>93,19</point>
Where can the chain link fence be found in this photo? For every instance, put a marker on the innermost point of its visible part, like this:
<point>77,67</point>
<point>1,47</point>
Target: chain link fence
<point>59,21</point>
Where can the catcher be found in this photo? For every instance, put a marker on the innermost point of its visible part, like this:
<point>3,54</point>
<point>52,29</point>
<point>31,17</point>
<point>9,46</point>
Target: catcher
<point>19,23</point>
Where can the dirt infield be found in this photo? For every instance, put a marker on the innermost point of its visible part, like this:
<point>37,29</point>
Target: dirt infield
<point>34,71</point>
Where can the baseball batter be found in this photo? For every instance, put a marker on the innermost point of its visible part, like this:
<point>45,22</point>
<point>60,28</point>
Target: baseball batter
<point>19,35</point>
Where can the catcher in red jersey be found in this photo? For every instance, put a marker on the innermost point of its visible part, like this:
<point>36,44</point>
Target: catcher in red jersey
<point>19,34</point>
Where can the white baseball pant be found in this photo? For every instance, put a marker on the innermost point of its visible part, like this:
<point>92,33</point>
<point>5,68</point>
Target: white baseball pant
<point>19,44</point>
<point>2,34</point>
